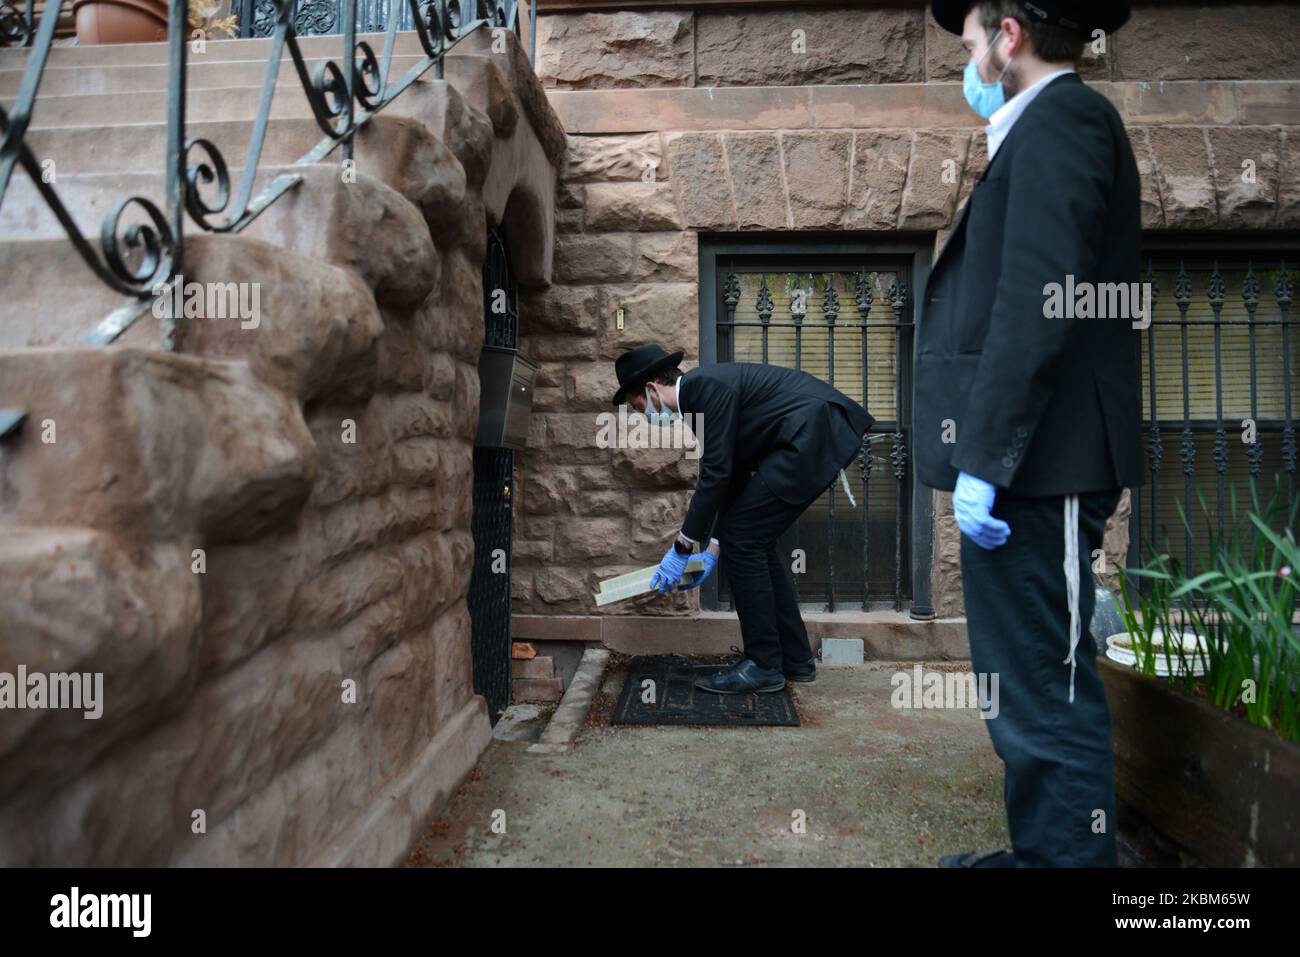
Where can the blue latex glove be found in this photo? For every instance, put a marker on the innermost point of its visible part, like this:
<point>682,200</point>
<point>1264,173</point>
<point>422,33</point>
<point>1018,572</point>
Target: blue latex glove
<point>670,570</point>
<point>972,500</point>
<point>710,560</point>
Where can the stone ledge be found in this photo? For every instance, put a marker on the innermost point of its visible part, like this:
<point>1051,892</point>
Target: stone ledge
<point>887,635</point>
<point>903,105</point>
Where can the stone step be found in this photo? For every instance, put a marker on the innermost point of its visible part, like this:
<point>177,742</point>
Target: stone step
<point>294,320</point>
<point>251,48</point>
<point>136,79</point>
<point>391,149</point>
<point>363,224</point>
<point>238,99</point>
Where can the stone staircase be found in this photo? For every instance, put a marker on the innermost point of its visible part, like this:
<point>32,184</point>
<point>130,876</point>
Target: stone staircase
<point>237,532</point>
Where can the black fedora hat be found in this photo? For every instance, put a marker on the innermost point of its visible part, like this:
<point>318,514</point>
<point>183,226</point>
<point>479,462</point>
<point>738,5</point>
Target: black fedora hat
<point>1082,16</point>
<point>636,366</point>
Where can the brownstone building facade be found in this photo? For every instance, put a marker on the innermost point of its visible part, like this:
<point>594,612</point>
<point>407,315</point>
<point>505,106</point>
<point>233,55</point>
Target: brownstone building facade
<point>701,134</point>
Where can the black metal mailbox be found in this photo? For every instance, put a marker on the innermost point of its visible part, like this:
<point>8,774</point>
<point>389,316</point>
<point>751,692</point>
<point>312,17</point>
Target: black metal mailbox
<point>506,381</point>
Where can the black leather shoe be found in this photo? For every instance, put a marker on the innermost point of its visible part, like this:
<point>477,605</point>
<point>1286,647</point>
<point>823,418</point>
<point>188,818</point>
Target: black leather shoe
<point>794,670</point>
<point>744,677</point>
<point>800,671</point>
<point>998,857</point>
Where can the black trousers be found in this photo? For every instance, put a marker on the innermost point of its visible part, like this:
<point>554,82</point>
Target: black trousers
<point>771,627</point>
<point>1059,787</point>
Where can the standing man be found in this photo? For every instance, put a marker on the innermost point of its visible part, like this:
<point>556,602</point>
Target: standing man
<point>1031,421</point>
<point>774,439</point>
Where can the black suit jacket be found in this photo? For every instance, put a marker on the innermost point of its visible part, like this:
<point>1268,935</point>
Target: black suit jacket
<point>1040,406</point>
<point>793,429</point>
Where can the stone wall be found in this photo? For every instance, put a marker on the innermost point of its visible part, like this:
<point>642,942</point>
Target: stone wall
<point>262,540</point>
<point>895,43</point>
<point>684,122</point>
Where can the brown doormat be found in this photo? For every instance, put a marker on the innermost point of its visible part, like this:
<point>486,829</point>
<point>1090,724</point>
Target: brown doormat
<point>672,697</point>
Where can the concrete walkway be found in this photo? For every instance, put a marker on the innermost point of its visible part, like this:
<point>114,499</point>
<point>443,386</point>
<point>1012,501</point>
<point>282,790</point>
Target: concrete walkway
<point>878,786</point>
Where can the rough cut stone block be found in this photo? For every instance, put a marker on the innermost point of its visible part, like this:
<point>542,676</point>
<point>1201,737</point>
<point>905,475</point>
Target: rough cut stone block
<point>550,490</point>
<point>1153,211</point>
<point>817,174</point>
<point>754,164</point>
<point>632,207</point>
<point>1288,194</point>
<point>565,309</point>
<point>1186,180</point>
<point>880,161</point>
<point>600,159</point>
<point>699,171</point>
<point>1245,175</point>
<point>1235,41</point>
<point>808,46</point>
<point>945,575</point>
<point>663,312</point>
<point>555,586</point>
<point>933,179</point>
<point>945,55</point>
<point>662,468</point>
<point>623,49</point>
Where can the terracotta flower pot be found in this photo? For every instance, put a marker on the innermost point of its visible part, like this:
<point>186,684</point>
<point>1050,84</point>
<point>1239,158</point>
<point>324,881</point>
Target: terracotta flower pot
<point>120,21</point>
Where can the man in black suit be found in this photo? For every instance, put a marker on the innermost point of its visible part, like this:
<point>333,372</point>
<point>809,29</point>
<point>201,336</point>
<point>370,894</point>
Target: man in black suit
<point>773,440</point>
<point>1029,412</point>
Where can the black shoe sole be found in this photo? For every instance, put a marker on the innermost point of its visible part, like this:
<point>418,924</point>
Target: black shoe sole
<point>811,677</point>
<point>767,690</point>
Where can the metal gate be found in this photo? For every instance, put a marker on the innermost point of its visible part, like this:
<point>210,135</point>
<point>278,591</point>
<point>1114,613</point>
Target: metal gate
<point>844,314</point>
<point>489,586</point>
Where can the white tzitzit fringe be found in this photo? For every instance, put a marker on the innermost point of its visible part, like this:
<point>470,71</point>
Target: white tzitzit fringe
<point>845,482</point>
<point>1072,579</point>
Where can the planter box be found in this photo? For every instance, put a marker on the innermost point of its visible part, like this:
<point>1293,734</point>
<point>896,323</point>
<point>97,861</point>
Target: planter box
<point>1227,791</point>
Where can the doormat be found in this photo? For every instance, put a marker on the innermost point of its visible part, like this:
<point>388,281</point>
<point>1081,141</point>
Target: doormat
<point>676,700</point>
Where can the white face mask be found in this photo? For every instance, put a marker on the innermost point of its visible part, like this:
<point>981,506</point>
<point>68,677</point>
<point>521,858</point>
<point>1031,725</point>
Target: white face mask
<point>656,415</point>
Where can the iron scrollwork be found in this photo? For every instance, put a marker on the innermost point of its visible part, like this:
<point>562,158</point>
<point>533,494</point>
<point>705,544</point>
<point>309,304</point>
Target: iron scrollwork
<point>131,255</point>
<point>16,28</point>
<point>140,241</point>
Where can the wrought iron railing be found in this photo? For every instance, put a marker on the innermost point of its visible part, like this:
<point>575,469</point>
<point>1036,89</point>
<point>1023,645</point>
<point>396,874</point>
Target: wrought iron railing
<point>140,247</point>
<point>257,18</point>
<point>1219,365</point>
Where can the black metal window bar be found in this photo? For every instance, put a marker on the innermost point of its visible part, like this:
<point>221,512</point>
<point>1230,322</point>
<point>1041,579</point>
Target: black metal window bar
<point>1221,349</point>
<point>850,325</point>
<point>141,253</point>
<point>489,589</point>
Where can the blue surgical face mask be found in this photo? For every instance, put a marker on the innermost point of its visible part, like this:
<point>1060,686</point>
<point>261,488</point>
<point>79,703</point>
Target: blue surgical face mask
<point>984,98</point>
<point>657,416</point>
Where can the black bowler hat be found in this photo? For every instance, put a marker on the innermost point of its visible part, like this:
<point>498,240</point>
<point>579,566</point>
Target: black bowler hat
<point>1081,16</point>
<point>635,367</point>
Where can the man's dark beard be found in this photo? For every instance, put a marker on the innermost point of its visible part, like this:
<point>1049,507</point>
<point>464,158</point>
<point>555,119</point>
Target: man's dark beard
<point>1010,82</point>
